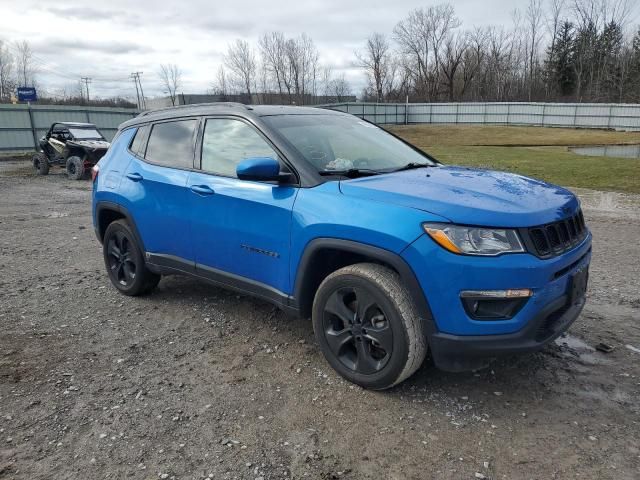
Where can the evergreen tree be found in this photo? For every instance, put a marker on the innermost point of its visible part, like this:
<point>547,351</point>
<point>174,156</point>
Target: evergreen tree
<point>610,46</point>
<point>560,68</point>
<point>633,79</point>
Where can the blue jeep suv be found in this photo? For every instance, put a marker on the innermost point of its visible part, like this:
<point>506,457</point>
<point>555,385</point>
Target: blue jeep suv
<point>391,253</point>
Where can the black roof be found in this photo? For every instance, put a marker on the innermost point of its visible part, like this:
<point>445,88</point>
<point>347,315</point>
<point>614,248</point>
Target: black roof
<point>225,108</point>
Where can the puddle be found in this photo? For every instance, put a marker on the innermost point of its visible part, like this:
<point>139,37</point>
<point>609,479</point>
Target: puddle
<point>573,347</point>
<point>618,151</point>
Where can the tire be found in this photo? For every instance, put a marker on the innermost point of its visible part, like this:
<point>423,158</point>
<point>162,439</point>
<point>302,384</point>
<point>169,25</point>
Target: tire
<point>368,327</point>
<point>124,261</point>
<point>75,168</point>
<point>41,164</point>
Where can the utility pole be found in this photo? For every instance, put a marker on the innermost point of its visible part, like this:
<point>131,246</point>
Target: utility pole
<point>140,94</point>
<point>134,77</point>
<point>87,81</point>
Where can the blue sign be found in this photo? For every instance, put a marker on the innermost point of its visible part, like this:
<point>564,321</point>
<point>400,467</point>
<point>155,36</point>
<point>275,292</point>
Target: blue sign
<point>27,94</point>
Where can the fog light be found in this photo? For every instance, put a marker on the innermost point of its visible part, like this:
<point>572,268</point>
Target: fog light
<point>494,304</point>
<point>517,293</point>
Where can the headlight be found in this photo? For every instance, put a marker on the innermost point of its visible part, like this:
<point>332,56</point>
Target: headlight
<point>474,240</point>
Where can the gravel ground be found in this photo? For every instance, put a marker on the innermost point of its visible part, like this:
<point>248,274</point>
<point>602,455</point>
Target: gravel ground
<point>195,382</point>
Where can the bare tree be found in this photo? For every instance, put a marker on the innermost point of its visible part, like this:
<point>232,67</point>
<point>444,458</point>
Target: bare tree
<point>534,18</point>
<point>7,82</point>
<point>420,37</point>
<point>450,59</point>
<point>241,60</point>
<point>340,88</point>
<point>220,86</point>
<point>326,74</point>
<point>413,36</point>
<point>376,60</point>
<point>171,77</point>
<point>24,63</point>
<point>273,50</point>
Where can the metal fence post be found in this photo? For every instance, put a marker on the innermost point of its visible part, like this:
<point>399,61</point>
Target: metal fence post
<point>33,128</point>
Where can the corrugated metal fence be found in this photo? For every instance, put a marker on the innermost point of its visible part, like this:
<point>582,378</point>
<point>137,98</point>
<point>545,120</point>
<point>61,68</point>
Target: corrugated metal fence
<point>583,115</point>
<point>22,125</point>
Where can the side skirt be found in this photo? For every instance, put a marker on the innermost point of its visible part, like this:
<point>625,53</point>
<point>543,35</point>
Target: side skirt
<point>172,265</point>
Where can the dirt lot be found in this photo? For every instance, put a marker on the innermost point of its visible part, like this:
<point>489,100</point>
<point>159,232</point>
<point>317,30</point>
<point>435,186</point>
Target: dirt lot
<point>194,382</point>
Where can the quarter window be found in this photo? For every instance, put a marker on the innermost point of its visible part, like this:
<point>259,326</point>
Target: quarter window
<point>228,142</point>
<point>137,144</point>
<point>172,144</point>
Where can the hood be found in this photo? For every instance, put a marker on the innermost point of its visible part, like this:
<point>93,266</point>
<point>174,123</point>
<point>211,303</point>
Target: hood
<point>469,196</point>
<point>92,144</point>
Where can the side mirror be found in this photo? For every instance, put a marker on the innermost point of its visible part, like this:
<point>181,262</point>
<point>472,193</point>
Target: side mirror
<point>259,168</point>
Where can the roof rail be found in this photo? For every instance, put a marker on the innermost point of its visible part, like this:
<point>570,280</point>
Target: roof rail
<point>191,105</point>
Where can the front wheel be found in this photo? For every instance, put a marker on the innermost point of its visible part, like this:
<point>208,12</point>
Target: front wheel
<point>124,261</point>
<point>75,168</point>
<point>368,327</point>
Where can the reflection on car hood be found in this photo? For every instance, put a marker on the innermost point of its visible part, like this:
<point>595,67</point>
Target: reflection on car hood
<point>469,196</point>
<point>93,144</point>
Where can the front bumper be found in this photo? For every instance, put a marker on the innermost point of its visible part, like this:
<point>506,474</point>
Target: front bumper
<point>458,353</point>
<point>459,342</point>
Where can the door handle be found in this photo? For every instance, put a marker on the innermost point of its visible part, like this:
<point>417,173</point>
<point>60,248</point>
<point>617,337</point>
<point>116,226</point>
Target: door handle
<point>202,189</point>
<point>136,177</point>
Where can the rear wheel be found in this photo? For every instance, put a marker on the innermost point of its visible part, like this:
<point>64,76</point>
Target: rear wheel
<point>124,261</point>
<point>75,168</point>
<point>41,164</point>
<point>368,327</point>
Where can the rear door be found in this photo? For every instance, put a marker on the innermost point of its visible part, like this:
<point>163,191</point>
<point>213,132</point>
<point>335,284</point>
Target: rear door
<point>239,227</point>
<point>155,183</point>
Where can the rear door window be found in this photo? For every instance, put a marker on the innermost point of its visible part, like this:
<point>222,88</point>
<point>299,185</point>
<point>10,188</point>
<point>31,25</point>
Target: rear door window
<point>172,144</point>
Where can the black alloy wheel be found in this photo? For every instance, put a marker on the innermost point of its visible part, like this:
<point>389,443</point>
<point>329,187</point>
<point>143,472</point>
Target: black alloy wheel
<point>357,330</point>
<point>367,325</point>
<point>121,262</point>
<point>124,260</point>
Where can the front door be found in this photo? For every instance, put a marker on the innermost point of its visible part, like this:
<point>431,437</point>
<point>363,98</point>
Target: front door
<point>240,228</point>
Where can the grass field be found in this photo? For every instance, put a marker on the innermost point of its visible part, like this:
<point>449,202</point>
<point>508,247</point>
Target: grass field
<point>534,151</point>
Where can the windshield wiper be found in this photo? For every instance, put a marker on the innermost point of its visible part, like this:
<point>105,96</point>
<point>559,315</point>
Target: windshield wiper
<point>413,166</point>
<point>350,172</point>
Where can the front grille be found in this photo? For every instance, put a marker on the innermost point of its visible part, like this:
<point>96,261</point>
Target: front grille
<point>557,237</point>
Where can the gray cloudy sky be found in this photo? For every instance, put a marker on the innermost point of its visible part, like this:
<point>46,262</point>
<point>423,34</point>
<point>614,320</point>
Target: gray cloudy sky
<point>109,40</point>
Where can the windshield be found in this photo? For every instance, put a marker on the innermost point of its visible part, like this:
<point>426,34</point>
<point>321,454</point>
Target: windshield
<point>85,134</point>
<point>339,143</point>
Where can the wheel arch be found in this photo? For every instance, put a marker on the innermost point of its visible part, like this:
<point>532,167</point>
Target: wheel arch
<point>108,212</point>
<point>75,151</point>
<point>322,256</point>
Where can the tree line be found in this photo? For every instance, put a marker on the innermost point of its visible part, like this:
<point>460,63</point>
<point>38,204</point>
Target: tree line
<point>558,50</point>
<point>553,50</point>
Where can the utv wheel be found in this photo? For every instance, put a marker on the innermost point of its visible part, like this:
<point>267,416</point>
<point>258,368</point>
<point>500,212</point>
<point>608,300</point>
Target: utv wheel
<point>75,168</point>
<point>368,327</point>
<point>124,261</point>
<point>41,164</point>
